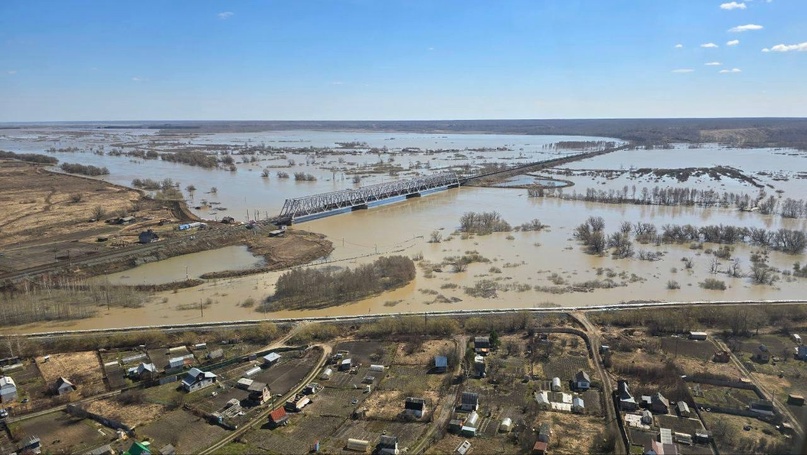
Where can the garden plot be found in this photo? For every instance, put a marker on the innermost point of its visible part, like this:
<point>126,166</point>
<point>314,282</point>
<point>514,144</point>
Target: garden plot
<point>29,381</point>
<point>389,404</point>
<point>62,433</point>
<point>566,367</point>
<point>407,433</point>
<point>185,431</point>
<point>731,436</point>
<point>696,349</point>
<point>678,424</point>
<point>338,402</point>
<point>117,362</point>
<point>81,368</point>
<point>709,396</point>
<point>133,414</point>
<point>422,353</point>
<point>288,373</point>
<point>298,436</point>
<point>572,434</point>
<point>367,352</point>
<point>504,444</point>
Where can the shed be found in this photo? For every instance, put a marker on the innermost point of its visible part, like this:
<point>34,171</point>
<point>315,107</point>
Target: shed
<point>482,345</point>
<point>463,448</point>
<point>544,432</point>
<point>252,372</point>
<point>647,417</point>
<point>357,445</point>
<point>259,392</point>
<point>278,417</point>
<point>218,353</point>
<point>346,364</point>
<point>147,237</point>
<point>506,425</point>
<point>556,385</point>
<point>63,386</point>
<point>8,389</point>
<point>454,425</point>
<point>683,408</point>
<point>698,335</point>
<point>794,399</point>
<point>578,405</point>
<point>271,358</point>
<point>797,338</point>
<point>326,374</point>
<point>244,383</point>
<point>469,401</point>
<point>801,352</point>
<point>682,438</point>
<point>440,364</point>
<point>539,448</point>
<point>542,398</point>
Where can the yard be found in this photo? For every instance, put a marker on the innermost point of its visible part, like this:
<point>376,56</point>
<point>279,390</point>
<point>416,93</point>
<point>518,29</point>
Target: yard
<point>185,431</point>
<point>62,433</point>
<point>732,437</point>
<point>708,396</point>
<point>83,369</point>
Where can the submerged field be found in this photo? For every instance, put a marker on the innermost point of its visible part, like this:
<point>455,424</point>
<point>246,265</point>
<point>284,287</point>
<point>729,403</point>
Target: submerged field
<point>521,269</point>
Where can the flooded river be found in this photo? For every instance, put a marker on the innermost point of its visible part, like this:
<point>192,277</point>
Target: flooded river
<point>530,269</point>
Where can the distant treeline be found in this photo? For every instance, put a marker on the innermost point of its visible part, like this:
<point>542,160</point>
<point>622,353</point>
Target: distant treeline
<point>200,159</point>
<point>75,168</point>
<point>30,157</point>
<point>687,197</point>
<point>313,288</point>
<point>581,145</point>
<point>767,132</point>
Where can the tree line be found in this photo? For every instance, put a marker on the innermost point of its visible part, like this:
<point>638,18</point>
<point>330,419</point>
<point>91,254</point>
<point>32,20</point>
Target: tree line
<point>75,168</point>
<point>312,287</point>
<point>29,157</point>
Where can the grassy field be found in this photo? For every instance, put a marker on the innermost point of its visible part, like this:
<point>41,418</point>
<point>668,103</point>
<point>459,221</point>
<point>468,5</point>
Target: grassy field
<point>83,369</point>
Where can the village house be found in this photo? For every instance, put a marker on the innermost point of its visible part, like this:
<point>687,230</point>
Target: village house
<point>659,404</point>
<point>479,366</point>
<point>142,371</point>
<point>544,432</point>
<point>388,445</point>
<point>801,352</point>
<point>259,392</point>
<point>469,401</point>
<point>721,357</point>
<point>415,407</point>
<point>626,400</point>
<point>683,408</point>
<point>346,365</point>
<point>8,389</point>
<point>482,345</point>
<point>278,417</point>
<point>196,379</point>
<point>763,355</point>
<point>63,386</point>
<point>147,237</point>
<point>582,381</point>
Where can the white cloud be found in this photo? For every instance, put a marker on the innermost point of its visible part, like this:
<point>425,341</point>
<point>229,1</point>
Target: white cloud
<point>745,28</point>
<point>731,71</point>
<point>713,64</point>
<point>679,46</point>
<point>801,47</point>
<point>12,72</point>
<point>733,42</point>
<point>732,5</point>
<point>709,45</point>
<point>139,79</point>
<point>225,15</point>
<point>683,70</point>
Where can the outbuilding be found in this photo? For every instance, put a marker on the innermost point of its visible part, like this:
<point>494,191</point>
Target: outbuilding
<point>63,386</point>
<point>440,364</point>
<point>8,389</point>
<point>683,408</point>
<point>556,385</point>
<point>469,401</point>
<point>506,425</point>
<point>582,381</point>
<point>346,364</point>
<point>698,335</point>
<point>271,359</point>
<point>278,417</point>
<point>326,374</point>
<point>357,445</point>
<point>415,407</point>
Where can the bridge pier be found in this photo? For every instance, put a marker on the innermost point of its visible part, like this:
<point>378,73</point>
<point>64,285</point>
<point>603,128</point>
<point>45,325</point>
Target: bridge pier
<point>358,207</point>
<point>413,195</point>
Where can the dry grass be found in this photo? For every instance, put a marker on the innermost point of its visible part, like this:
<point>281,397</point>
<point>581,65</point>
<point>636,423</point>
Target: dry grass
<point>572,434</point>
<point>424,355</point>
<point>131,414</point>
<point>388,404</point>
<point>81,368</point>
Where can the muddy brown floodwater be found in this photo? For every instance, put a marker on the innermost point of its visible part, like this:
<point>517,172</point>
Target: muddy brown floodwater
<point>518,261</point>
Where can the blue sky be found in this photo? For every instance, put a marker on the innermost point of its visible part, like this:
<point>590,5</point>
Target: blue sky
<point>391,59</point>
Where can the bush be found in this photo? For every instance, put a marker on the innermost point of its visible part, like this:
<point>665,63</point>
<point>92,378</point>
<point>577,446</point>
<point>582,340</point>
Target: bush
<point>713,284</point>
<point>74,168</point>
<point>672,284</point>
<point>483,223</point>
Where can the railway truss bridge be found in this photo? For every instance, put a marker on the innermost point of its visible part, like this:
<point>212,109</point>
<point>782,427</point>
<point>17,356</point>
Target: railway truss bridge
<point>325,204</point>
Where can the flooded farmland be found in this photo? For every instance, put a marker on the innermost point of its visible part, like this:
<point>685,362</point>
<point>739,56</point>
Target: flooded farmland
<point>526,269</point>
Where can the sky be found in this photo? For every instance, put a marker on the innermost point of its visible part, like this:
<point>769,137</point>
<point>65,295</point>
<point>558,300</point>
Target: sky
<point>83,60</point>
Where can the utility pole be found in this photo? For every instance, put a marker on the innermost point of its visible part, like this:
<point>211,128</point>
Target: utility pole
<point>202,308</point>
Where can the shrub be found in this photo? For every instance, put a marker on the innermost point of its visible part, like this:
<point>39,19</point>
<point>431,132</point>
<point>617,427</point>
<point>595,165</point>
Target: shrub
<point>713,284</point>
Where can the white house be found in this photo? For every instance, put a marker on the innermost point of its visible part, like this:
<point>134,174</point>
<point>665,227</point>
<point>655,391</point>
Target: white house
<point>8,389</point>
<point>63,386</point>
<point>197,379</point>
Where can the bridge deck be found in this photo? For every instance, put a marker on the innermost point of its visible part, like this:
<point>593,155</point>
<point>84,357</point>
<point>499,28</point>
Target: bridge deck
<point>361,197</point>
